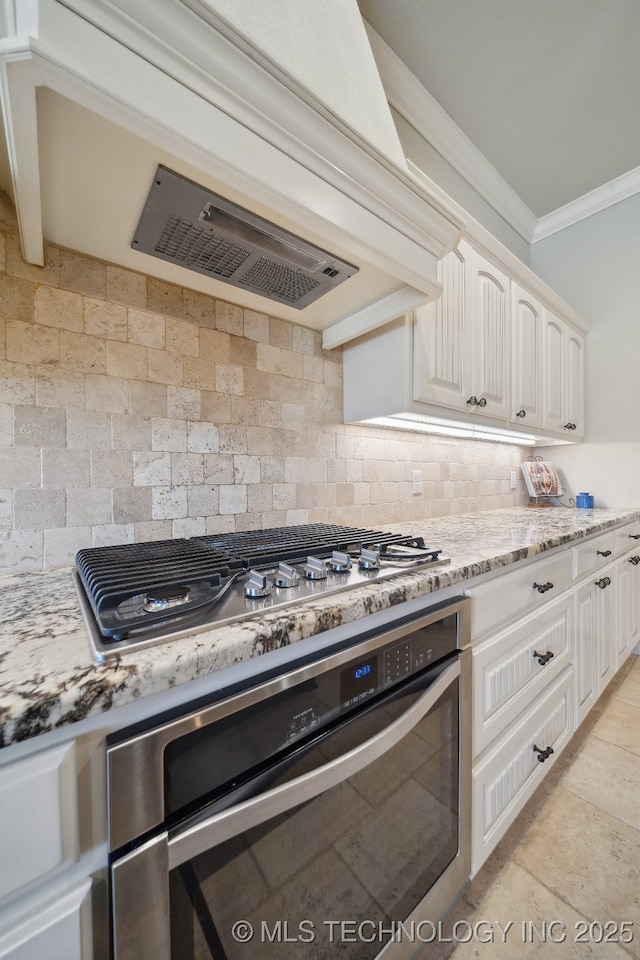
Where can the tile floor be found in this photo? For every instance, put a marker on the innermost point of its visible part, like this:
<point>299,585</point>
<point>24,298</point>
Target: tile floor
<point>572,856</point>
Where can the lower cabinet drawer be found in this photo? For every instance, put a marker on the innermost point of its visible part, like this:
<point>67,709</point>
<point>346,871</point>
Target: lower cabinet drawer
<point>593,554</point>
<point>627,537</point>
<point>509,596</point>
<point>507,774</point>
<point>511,669</point>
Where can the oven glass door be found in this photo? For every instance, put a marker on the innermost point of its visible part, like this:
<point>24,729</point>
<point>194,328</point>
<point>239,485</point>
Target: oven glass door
<point>327,867</point>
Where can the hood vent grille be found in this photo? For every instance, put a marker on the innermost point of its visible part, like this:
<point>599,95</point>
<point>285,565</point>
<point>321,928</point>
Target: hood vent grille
<point>186,224</point>
<point>193,247</point>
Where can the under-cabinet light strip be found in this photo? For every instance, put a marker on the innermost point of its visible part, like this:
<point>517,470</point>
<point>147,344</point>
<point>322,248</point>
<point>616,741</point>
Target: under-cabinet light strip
<point>450,428</point>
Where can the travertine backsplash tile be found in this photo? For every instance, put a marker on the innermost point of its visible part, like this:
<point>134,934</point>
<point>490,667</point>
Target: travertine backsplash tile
<point>133,409</point>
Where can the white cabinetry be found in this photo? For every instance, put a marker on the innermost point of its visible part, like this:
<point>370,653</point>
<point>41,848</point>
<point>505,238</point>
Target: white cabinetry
<point>462,340</point>
<point>45,891</point>
<point>628,630</point>
<point>526,358</point>
<point>607,610</point>
<point>38,799</point>
<point>563,410</point>
<point>547,639</point>
<point>522,690</point>
<point>507,774</point>
<point>505,598</point>
<point>596,610</point>
<point>486,353</point>
<point>627,574</point>
<point>58,930</point>
<point>441,337</point>
<point>490,339</point>
<point>512,668</point>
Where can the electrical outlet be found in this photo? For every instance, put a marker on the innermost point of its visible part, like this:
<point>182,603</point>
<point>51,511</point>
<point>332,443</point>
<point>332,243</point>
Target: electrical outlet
<point>417,481</point>
<point>513,479</point>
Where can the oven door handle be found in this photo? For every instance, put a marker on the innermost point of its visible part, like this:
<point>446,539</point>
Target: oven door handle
<point>194,838</point>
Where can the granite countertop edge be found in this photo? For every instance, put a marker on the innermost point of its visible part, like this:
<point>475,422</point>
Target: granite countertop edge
<point>48,678</point>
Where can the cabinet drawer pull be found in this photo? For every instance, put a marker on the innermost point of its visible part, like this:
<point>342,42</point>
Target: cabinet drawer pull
<point>603,553</point>
<point>634,560</point>
<point>634,536</point>
<point>477,403</point>
<point>543,658</point>
<point>521,413</point>
<point>543,587</point>
<point>543,754</point>
<point>604,582</point>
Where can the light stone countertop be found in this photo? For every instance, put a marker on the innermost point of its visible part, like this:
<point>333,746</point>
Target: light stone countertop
<point>48,677</point>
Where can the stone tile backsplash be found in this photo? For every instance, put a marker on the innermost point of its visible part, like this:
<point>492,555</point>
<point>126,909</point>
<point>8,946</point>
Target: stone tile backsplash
<point>133,409</point>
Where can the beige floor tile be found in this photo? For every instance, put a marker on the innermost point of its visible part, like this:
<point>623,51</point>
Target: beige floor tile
<point>607,776</point>
<point>619,723</point>
<point>586,857</point>
<point>520,917</point>
<point>629,688</point>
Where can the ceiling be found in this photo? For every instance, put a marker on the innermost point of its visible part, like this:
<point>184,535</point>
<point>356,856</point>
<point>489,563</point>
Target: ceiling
<point>546,90</point>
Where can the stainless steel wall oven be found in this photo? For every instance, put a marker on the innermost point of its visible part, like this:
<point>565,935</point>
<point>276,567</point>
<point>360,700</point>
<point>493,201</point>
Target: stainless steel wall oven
<point>327,805</point>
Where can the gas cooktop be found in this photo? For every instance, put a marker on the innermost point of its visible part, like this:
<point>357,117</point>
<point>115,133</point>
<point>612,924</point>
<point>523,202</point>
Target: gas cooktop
<point>136,595</point>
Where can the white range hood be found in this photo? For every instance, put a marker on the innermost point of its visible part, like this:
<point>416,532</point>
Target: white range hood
<point>96,94</point>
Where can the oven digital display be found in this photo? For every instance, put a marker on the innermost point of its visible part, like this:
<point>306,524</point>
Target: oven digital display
<point>358,681</point>
<point>363,671</point>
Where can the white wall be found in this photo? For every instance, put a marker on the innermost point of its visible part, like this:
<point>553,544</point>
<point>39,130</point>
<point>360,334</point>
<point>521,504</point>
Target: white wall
<point>595,266</point>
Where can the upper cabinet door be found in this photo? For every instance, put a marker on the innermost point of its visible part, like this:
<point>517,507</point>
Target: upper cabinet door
<point>441,337</point>
<point>563,409</point>
<point>574,396</point>
<point>490,340</point>
<point>555,331</point>
<point>526,368</point>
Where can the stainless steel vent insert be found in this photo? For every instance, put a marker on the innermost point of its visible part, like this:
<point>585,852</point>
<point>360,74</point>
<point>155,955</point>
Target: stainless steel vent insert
<point>186,224</point>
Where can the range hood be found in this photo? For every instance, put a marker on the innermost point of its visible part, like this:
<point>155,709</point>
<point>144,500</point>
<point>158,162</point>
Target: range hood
<point>186,224</point>
<point>97,96</point>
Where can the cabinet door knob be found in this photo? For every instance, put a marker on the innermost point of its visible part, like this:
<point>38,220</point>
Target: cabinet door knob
<point>603,582</point>
<point>570,426</point>
<point>543,754</point>
<point>543,658</point>
<point>634,536</point>
<point>521,413</point>
<point>603,553</point>
<point>634,560</point>
<point>543,587</point>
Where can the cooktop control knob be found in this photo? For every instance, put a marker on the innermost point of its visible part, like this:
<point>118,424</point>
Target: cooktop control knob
<point>315,569</point>
<point>256,585</point>
<point>369,559</point>
<point>339,562</point>
<point>285,576</point>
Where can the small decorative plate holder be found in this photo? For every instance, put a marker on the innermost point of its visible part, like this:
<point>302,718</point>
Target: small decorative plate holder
<point>543,484</point>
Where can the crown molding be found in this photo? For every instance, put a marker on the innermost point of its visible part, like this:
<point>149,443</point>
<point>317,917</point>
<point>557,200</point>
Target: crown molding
<point>413,101</point>
<point>621,188</point>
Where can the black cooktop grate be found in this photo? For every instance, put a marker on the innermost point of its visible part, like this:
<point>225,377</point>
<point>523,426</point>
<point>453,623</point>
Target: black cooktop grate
<point>257,548</point>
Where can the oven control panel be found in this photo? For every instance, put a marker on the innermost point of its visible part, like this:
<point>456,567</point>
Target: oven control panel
<point>359,680</point>
<point>394,662</point>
